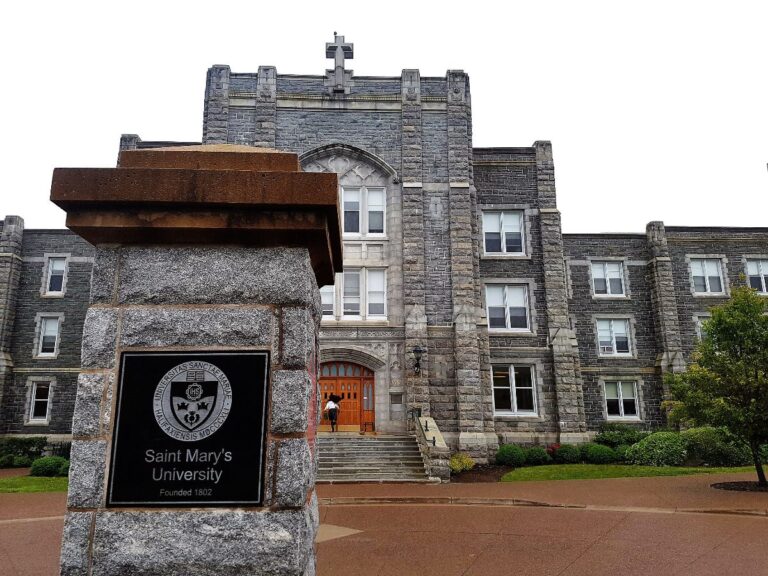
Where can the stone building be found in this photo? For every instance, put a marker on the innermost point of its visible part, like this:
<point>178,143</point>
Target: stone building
<point>528,335</point>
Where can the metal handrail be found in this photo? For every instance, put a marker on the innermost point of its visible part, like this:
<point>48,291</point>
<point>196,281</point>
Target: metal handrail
<point>416,412</point>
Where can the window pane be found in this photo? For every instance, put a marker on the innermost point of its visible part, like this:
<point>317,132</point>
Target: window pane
<point>376,211</point>
<point>523,377</point>
<point>598,270</point>
<point>627,390</point>
<point>496,317</point>
<point>327,295</point>
<point>699,284</point>
<point>715,284</point>
<point>495,295</point>
<point>612,407</point>
<point>56,274</point>
<point>601,286</point>
<point>611,390</point>
<point>513,232</point>
<point>351,211</point>
<point>604,336</point>
<point>40,401</point>
<point>352,293</point>
<point>516,296</point>
<point>617,285</point>
<point>756,283</point>
<point>49,332</point>
<point>630,407</point>
<point>492,242</point>
<point>613,269</point>
<point>376,292</point>
<point>524,399</point>
<point>502,399</point>
<point>518,317</point>
<point>514,242</point>
<point>620,327</point>
<point>501,376</point>
<point>752,268</point>
<point>491,222</point>
<point>622,344</point>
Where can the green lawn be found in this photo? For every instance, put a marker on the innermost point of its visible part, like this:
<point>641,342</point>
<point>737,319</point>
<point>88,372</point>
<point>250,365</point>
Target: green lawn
<point>32,484</point>
<point>591,471</point>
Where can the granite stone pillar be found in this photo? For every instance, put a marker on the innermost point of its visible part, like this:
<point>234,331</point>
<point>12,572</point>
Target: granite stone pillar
<point>216,250</point>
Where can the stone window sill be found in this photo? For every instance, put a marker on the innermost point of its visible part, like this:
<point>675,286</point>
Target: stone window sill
<point>52,295</point>
<point>493,256</point>
<point>37,423</point>
<point>511,417</point>
<point>610,297</point>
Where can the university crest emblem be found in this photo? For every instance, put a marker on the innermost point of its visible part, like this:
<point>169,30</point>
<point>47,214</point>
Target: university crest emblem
<point>192,401</point>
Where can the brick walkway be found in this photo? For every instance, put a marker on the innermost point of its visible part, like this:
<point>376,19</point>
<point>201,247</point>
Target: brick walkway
<point>638,526</point>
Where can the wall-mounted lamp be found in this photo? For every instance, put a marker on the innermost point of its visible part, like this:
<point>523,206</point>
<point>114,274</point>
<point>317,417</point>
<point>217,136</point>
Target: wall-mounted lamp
<point>417,353</point>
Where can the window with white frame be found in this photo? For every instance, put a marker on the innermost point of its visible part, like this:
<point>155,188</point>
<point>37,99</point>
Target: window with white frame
<point>613,337</point>
<point>503,232</point>
<point>621,399</point>
<point>507,307</point>
<point>48,336</point>
<point>707,276</point>
<point>364,211</point>
<point>39,401</point>
<point>327,297</point>
<point>608,278</point>
<point>514,389</point>
<point>54,276</point>
<point>376,293</point>
<point>757,273</point>
<point>364,293</point>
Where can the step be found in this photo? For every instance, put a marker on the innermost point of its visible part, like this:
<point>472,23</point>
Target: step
<point>369,459</point>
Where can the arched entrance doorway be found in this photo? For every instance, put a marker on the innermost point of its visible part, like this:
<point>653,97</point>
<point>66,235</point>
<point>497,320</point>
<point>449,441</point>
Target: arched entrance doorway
<point>354,384</point>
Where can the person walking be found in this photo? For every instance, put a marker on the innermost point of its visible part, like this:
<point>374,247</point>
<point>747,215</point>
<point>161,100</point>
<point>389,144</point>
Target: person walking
<point>332,408</point>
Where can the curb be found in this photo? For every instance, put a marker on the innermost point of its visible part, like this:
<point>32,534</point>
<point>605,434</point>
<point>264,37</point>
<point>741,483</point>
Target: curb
<point>518,503</point>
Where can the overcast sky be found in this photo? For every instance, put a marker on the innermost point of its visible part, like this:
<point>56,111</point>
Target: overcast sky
<point>656,110</point>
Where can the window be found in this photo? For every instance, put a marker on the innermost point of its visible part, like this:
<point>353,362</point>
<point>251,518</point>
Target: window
<point>707,276</point>
<point>39,401</point>
<point>376,293</point>
<point>503,232</point>
<point>757,272</point>
<point>364,210</point>
<point>507,307</point>
<point>54,282</point>
<point>613,337</point>
<point>364,294</point>
<point>621,399</point>
<point>701,331</point>
<point>327,296</point>
<point>607,278</point>
<point>49,335</point>
<point>352,293</point>
<point>513,389</point>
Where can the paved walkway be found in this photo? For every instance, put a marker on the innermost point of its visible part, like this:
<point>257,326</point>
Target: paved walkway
<point>629,526</point>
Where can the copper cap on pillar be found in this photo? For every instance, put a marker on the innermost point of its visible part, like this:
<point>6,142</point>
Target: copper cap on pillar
<point>209,194</point>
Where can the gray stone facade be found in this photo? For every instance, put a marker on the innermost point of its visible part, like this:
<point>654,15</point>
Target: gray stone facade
<point>412,137</point>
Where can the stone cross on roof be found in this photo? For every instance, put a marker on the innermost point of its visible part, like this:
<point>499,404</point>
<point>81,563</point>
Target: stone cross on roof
<point>338,79</point>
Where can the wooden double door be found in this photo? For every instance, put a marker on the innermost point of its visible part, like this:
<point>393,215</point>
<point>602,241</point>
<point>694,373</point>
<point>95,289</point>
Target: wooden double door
<point>354,385</point>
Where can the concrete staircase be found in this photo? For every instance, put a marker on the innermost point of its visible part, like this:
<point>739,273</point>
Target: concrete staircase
<point>354,458</point>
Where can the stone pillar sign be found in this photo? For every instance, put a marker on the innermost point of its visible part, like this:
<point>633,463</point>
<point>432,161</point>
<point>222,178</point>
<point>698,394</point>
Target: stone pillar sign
<point>194,428</point>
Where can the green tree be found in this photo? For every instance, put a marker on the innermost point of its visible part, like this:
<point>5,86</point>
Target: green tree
<point>727,383</point>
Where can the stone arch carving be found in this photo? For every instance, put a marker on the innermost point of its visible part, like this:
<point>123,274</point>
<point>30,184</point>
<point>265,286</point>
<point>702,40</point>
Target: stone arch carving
<point>353,355</point>
<point>354,166</point>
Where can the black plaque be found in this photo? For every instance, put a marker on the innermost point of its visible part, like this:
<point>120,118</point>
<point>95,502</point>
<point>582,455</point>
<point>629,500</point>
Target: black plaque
<point>190,429</point>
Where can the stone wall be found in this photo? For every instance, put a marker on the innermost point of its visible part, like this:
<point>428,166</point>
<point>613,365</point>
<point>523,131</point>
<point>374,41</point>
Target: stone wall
<point>171,298</point>
<point>31,303</point>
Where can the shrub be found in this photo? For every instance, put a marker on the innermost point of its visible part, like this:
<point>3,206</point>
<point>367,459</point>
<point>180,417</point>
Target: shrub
<point>552,449</point>
<point>715,447</point>
<point>460,462</point>
<point>658,449</point>
<point>21,461</point>
<point>64,470</point>
<point>537,456</point>
<point>510,455</point>
<point>598,454</point>
<point>31,447</point>
<point>47,466</point>
<point>615,434</point>
<point>6,461</point>
<point>568,454</point>
<point>621,452</point>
